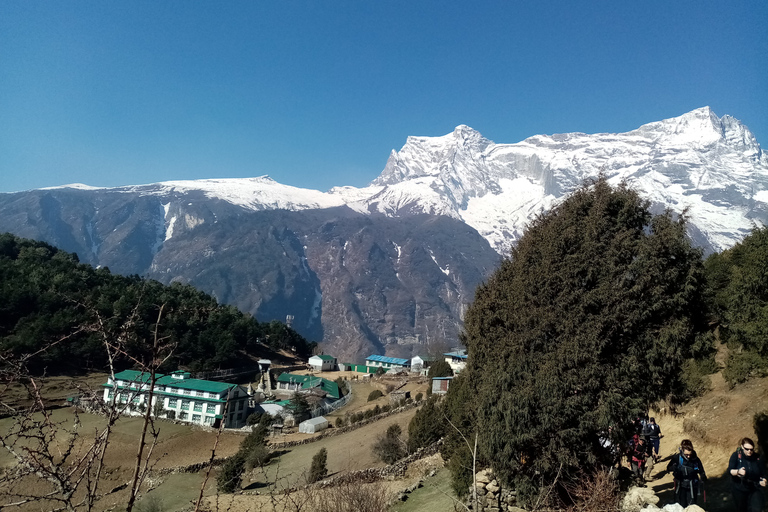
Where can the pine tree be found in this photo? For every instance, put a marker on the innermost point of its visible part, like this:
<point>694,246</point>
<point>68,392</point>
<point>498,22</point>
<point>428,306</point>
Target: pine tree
<point>318,470</point>
<point>588,321</point>
<point>739,280</point>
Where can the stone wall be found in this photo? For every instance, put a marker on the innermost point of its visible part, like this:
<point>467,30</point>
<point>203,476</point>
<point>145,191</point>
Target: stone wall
<point>491,496</point>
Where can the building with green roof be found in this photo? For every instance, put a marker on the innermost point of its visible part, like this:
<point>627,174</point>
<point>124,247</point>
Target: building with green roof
<point>178,396</point>
<point>323,363</point>
<point>290,382</point>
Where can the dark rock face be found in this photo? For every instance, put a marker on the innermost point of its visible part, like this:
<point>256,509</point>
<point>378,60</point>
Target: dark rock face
<point>361,284</point>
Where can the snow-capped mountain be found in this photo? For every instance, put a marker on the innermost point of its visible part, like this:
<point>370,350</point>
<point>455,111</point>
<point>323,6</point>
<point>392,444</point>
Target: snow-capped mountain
<point>711,166</point>
<point>390,268</point>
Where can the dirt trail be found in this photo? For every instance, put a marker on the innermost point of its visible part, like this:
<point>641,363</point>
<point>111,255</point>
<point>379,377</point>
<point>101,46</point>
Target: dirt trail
<point>715,423</point>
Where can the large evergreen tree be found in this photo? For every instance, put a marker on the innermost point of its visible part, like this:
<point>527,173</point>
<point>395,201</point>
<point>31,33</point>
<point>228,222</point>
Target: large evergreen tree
<point>739,281</point>
<point>588,321</point>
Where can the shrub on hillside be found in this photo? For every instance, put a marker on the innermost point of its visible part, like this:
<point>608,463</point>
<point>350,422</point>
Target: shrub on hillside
<point>318,470</point>
<point>743,365</point>
<point>231,474</point>
<point>426,426</point>
<point>373,395</point>
<point>390,447</point>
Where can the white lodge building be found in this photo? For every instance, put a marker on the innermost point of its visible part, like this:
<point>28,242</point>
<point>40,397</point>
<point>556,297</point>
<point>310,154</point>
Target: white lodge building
<point>182,398</point>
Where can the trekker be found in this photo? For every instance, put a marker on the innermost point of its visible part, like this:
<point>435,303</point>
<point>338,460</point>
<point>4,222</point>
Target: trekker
<point>747,476</point>
<point>637,455</point>
<point>688,471</point>
<point>654,436</point>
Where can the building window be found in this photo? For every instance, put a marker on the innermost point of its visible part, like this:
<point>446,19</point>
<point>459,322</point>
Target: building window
<point>199,393</point>
<point>240,406</point>
<point>110,394</point>
<point>172,403</point>
<point>187,392</point>
<point>198,407</point>
<point>210,408</point>
<point>236,394</point>
<point>196,418</point>
<point>182,415</point>
<point>185,405</point>
<point>239,416</point>
<point>209,420</point>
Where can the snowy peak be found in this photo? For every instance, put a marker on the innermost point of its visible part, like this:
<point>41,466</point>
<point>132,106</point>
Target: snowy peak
<point>712,166</point>
<point>262,193</point>
<point>431,156</point>
<point>700,127</point>
<point>709,165</point>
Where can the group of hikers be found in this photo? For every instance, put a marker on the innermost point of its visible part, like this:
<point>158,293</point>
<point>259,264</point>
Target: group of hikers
<point>746,470</point>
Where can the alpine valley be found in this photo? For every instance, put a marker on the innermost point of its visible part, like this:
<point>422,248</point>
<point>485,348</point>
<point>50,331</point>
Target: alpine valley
<point>390,268</point>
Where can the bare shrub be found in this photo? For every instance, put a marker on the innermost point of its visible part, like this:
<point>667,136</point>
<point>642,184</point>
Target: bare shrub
<point>594,493</point>
<point>352,497</point>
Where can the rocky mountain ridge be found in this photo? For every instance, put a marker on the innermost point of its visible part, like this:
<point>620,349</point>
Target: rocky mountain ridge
<point>389,268</point>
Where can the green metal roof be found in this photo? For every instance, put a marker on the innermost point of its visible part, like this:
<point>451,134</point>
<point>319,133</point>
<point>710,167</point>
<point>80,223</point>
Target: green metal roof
<point>326,357</point>
<point>169,381</point>
<point>309,382</point>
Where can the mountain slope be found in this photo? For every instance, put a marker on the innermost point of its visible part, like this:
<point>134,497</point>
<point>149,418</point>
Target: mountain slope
<point>388,268</point>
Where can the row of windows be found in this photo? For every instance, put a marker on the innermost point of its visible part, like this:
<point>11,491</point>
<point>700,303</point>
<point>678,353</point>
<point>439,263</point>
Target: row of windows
<point>197,407</point>
<point>169,389</point>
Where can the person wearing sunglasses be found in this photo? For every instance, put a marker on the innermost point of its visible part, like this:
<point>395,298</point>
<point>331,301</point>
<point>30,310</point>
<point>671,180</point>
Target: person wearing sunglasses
<point>747,477</point>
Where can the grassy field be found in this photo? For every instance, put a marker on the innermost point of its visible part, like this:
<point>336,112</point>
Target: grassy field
<point>182,445</point>
<point>436,495</point>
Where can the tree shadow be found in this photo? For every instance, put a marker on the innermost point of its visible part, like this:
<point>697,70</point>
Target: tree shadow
<point>714,495</point>
<point>256,485</point>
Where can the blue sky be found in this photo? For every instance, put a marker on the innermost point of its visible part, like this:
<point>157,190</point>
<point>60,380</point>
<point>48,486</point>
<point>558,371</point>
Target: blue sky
<point>316,93</point>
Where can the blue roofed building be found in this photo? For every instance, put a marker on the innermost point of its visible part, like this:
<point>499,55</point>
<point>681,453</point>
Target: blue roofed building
<point>388,363</point>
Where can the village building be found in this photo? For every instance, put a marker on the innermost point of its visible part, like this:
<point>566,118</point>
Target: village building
<point>178,396</point>
<point>420,364</point>
<point>440,385</point>
<point>289,382</point>
<point>322,363</point>
<point>388,363</point>
<point>457,359</point>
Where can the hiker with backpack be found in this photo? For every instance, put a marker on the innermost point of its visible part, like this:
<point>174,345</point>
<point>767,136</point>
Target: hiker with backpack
<point>638,455</point>
<point>653,434</point>
<point>747,476</point>
<point>688,472</point>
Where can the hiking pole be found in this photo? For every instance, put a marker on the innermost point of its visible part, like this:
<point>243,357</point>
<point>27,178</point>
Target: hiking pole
<point>703,491</point>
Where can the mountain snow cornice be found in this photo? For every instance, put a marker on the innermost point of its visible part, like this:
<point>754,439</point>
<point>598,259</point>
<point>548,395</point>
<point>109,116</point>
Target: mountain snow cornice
<point>710,166</point>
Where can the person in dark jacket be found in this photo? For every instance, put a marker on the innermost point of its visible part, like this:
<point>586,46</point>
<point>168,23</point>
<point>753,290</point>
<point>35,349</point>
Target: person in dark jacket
<point>688,471</point>
<point>654,437</point>
<point>747,476</point>
<point>637,454</point>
